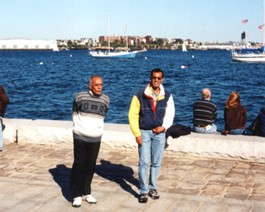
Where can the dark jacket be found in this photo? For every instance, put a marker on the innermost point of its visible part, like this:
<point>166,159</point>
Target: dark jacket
<point>235,118</point>
<point>258,125</point>
<point>150,116</point>
<point>4,100</point>
<point>177,130</point>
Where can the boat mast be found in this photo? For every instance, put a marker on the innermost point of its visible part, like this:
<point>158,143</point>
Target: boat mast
<point>108,37</point>
<point>126,37</point>
<point>263,22</point>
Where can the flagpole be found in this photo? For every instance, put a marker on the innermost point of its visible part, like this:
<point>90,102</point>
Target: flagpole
<point>263,22</point>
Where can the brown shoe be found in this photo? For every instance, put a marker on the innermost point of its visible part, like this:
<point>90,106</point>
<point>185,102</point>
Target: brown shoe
<point>143,198</point>
<point>153,194</point>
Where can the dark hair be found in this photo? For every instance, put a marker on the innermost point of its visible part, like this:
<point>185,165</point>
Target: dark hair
<point>156,70</point>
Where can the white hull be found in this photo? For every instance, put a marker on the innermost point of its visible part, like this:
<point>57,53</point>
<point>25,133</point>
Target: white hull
<point>248,57</point>
<point>106,55</point>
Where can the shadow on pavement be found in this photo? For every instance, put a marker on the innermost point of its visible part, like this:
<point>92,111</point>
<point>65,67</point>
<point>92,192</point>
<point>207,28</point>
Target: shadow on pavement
<point>119,174</point>
<point>61,175</point>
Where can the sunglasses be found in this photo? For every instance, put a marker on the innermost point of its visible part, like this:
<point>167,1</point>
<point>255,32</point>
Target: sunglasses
<point>159,78</point>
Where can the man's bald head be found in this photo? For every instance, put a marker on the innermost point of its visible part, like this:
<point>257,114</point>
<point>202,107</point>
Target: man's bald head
<point>206,93</point>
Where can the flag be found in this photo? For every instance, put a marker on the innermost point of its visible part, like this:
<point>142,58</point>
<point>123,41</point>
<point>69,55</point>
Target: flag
<point>244,21</point>
<point>261,26</point>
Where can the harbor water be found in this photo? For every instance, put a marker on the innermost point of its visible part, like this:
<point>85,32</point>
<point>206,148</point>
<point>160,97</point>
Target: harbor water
<point>42,84</point>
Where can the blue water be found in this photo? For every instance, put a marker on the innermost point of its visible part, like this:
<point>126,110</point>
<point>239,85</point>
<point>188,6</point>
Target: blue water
<point>42,84</point>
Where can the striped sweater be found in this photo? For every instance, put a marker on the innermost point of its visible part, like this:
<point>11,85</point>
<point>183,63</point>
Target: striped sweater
<point>204,112</point>
<point>88,116</point>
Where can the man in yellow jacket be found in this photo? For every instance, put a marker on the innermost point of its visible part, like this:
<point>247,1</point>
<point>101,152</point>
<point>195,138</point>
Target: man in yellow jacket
<point>151,113</point>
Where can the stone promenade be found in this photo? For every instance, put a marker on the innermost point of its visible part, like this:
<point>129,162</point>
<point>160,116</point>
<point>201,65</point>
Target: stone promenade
<point>35,177</point>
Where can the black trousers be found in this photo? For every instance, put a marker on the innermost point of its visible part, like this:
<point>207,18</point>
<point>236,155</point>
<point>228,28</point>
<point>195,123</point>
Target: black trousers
<point>84,166</point>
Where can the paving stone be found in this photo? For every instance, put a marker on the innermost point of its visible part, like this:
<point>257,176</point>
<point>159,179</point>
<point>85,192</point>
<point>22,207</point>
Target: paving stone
<point>37,178</point>
<point>203,163</point>
<point>233,208</point>
<point>256,209</point>
<point>258,188</point>
<point>215,189</point>
<point>186,205</point>
<point>208,207</point>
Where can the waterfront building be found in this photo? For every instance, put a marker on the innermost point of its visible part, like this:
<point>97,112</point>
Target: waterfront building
<point>28,44</point>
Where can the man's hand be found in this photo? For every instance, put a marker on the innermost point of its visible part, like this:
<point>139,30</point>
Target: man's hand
<point>139,140</point>
<point>158,130</point>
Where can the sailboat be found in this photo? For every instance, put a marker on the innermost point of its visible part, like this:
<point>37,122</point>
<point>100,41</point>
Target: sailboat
<point>109,54</point>
<point>250,54</point>
<point>184,48</point>
<point>116,54</point>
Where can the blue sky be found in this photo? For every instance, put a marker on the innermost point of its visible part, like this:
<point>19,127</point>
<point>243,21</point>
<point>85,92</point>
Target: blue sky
<point>199,20</point>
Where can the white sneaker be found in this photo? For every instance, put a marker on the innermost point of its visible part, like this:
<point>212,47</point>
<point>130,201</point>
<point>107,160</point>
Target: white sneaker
<point>77,202</point>
<point>91,199</point>
<point>169,140</point>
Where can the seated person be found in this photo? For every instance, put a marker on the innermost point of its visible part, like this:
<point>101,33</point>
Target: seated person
<point>204,113</point>
<point>235,115</point>
<point>258,125</point>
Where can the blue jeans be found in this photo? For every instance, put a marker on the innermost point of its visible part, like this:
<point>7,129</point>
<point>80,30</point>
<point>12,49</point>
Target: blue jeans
<point>247,131</point>
<point>213,129</point>
<point>236,131</point>
<point>1,134</point>
<point>151,149</point>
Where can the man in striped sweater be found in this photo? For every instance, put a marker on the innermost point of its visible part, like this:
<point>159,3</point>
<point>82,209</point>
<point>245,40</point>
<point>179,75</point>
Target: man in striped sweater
<point>204,113</point>
<point>89,110</point>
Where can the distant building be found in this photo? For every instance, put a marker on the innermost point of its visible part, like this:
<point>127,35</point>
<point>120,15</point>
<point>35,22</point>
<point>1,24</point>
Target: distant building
<point>27,44</point>
<point>111,38</point>
<point>149,39</point>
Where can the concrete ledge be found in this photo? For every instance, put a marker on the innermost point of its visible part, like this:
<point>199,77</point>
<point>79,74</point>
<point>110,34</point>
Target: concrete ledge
<point>246,147</point>
<point>37,131</point>
<point>119,135</point>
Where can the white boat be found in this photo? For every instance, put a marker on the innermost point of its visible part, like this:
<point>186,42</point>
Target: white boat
<point>248,57</point>
<point>113,54</point>
<point>116,54</point>
<point>251,55</point>
<point>184,48</point>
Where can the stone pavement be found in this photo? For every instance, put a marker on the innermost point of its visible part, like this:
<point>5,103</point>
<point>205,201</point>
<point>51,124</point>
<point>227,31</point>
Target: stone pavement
<point>35,177</point>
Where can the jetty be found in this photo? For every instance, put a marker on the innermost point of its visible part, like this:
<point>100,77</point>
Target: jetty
<point>199,172</point>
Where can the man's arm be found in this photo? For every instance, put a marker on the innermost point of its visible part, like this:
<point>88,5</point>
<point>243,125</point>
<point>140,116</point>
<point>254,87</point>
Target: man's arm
<point>170,113</point>
<point>134,119</point>
<point>3,97</point>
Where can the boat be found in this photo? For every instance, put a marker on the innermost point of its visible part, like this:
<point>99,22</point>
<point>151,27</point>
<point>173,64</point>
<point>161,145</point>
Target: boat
<point>110,53</point>
<point>184,48</point>
<point>247,54</point>
<point>105,54</point>
<point>249,57</point>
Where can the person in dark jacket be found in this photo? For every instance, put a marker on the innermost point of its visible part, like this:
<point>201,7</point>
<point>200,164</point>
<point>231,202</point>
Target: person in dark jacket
<point>258,125</point>
<point>259,122</point>
<point>235,115</point>
<point>4,100</point>
<point>151,113</point>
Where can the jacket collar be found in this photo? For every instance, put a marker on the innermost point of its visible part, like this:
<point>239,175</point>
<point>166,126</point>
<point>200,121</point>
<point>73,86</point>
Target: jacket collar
<point>149,89</point>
